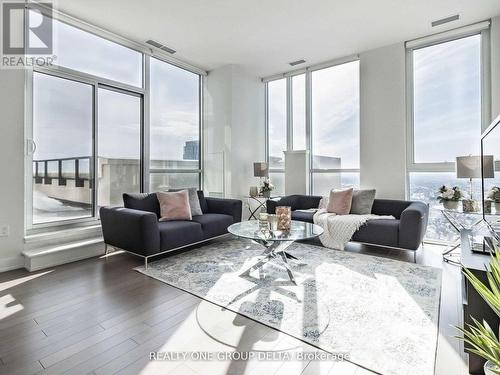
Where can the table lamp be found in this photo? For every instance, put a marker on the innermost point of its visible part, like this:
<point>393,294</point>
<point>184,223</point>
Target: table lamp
<point>260,169</point>
<point>470,167</point>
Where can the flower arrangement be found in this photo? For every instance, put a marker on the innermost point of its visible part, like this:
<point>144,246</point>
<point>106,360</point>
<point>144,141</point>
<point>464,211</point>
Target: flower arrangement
<point>494,194</point>
<point>266,188</point>
<point>447,193</point>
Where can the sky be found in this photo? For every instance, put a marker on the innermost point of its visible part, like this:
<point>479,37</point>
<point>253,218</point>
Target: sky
<point>447,97</point>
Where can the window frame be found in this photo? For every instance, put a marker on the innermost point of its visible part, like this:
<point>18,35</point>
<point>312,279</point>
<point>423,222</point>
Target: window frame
<point>308,109</point>
<point>482,29</point>
<point>96,82</point>
<point>411,165</point>
<point>200,169</point>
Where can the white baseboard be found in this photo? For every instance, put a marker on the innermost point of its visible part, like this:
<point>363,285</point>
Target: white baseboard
<point>35,260</point>
<point>12,263</point>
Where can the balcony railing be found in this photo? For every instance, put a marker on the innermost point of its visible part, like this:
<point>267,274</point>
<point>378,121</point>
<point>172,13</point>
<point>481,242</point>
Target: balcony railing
<point>75,168</point>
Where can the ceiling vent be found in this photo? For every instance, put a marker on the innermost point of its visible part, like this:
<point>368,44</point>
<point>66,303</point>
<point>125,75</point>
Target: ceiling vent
<point>293,63</point>
<point>442,21</point>
<point>161,46</point>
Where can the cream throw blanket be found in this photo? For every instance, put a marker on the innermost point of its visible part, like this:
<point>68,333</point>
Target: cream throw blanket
<point>339,229</point>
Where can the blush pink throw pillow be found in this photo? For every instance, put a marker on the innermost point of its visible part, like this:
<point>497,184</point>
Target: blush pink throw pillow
<point>340,201</point>
<point>174,205</point>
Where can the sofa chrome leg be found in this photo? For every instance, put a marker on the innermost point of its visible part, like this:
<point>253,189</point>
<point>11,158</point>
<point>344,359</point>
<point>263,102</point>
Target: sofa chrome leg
<point>105,249</point>
<point>415,256</point>
<point>145,262</point>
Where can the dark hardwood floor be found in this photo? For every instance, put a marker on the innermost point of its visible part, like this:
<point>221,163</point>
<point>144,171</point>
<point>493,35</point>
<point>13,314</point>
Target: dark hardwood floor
<point>99,316</point>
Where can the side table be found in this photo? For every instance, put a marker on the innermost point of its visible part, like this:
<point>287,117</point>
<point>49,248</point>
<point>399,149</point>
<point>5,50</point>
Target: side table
<point>255,205</point>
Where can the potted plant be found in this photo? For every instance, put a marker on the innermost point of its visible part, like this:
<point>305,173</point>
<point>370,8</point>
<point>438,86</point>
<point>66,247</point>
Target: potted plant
<point>266,188</point>
<point>481,338</point>
<point>494,196</point>
<point>449,196</point>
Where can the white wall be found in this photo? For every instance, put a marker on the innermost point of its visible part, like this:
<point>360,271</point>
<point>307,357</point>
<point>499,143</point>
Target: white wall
<point>383,122</point>
<point>247,130</point>
<point>217,127</point>
<point>12,167</point>
<point>235,125</point>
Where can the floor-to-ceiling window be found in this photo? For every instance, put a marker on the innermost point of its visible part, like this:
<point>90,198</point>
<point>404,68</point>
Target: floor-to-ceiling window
<point>277,132</point>
<point>335,127</point>
<point>174,151</point>
<point>62,159</point>
<point>446,117</point>
<point>119,145</point>
<point>298,92</point>
<point>330,132</point>
<point>88,141</point>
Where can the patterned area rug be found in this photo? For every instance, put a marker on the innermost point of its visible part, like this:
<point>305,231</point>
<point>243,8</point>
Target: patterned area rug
<point>383,312</point>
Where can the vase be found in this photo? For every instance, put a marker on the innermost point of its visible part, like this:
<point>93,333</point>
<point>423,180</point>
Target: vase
<point>450,205</point>
<point>487,207</point>
<point>490,368</point>
<point>284,214</point>
<point>266,194</point>
<point>470,205</point>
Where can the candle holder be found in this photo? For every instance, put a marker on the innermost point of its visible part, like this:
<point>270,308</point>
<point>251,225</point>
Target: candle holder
<point>273,222</point>
<point>284,214</point>
<point>263,221</point>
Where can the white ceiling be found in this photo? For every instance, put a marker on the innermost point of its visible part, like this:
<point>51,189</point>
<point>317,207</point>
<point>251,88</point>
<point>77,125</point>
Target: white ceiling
<point>264,35</point>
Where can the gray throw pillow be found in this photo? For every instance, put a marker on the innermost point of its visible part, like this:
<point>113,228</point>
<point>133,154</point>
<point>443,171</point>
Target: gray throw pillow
<point>194,201</point>
<point>362,201</point>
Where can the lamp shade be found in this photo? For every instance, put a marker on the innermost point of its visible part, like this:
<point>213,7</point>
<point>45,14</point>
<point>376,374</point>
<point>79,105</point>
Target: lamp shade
<point>470,166</point>
<point>260,169</point>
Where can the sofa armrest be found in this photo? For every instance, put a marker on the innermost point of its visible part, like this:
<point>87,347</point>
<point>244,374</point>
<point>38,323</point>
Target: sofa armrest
<point>232,207</point>
<point>413,225</point>
<point>132,230</point>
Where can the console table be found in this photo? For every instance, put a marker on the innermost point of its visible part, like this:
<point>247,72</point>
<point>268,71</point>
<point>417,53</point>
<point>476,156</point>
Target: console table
<point>473,304</point>
<point>460,221</point>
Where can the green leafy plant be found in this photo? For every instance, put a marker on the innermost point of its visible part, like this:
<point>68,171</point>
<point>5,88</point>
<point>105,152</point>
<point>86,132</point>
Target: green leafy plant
<point>480,336</point>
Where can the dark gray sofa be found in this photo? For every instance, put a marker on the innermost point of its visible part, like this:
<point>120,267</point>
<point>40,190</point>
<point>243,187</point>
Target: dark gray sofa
<point>406,232</point>
<point>136,227</point>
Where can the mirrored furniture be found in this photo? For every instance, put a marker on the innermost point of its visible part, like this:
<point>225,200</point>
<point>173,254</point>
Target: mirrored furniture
<point>275,243</point>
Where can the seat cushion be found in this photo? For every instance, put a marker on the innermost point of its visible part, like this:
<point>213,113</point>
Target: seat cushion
<point>303,216</point>
<point>178,233</point>
<point>379,232</point>
<point>213,224</point>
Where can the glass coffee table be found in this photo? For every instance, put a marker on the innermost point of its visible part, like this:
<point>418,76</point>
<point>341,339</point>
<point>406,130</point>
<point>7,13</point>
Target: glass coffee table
<point>276,242</point>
